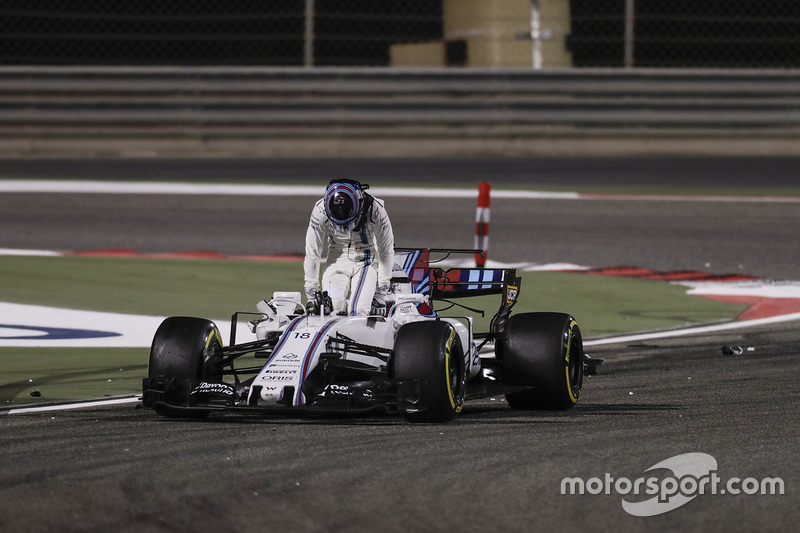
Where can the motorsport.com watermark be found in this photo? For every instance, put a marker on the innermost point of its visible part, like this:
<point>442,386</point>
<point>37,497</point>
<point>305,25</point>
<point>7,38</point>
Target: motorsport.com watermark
<point>693,474</point>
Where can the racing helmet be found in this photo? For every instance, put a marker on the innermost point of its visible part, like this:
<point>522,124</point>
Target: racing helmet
<point>344,202</point>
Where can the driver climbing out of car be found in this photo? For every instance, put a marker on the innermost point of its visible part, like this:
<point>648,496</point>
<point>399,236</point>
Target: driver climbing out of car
<point>356,230</point>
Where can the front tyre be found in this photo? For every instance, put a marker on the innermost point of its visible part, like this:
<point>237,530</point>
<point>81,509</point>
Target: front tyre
<point>430,354</point>
<point>184,352</point>
<point>543,351</point>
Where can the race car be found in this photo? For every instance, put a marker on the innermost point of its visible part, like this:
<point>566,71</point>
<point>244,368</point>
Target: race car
<point>407,359</point>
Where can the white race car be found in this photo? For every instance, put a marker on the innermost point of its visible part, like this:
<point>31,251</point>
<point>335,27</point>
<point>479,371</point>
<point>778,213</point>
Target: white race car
<point>408,360</point>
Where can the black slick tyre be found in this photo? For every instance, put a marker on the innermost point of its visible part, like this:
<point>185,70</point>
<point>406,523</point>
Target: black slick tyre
<point>543,351</point>
<point>185,350</point>
<point>430,354</point>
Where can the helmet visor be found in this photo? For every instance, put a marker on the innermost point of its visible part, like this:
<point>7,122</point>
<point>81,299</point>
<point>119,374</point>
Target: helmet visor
<point>342,205</point>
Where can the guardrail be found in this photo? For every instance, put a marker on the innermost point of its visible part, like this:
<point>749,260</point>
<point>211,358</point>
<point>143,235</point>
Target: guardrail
<point>241,111</point>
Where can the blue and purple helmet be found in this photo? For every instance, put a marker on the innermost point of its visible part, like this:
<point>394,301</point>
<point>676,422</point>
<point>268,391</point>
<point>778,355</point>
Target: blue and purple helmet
<point>344,203</point>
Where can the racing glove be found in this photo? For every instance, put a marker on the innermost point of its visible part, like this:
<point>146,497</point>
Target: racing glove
<point>311,289</point>
<point>320,303</point>
<point>380,303</point>
<point>313,299</point>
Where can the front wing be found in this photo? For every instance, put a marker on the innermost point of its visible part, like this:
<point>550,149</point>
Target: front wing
<point>361,398</point>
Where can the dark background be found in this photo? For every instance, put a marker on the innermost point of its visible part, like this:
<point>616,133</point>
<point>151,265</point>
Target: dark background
<point>668,33</point>
<point>688,33</point>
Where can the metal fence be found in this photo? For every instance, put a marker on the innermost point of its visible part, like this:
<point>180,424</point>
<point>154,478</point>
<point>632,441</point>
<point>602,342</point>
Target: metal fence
<point>539,34</point>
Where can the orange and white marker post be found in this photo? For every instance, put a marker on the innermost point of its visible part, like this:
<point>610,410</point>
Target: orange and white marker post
<point>482,223</point>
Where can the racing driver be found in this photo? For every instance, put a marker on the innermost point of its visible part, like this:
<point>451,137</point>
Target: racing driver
<point>358,234</point>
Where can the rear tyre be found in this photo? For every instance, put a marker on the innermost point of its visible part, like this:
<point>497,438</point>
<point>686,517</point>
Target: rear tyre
<point>184,351</point>
<point>430,354</point>
<point>543,351</point>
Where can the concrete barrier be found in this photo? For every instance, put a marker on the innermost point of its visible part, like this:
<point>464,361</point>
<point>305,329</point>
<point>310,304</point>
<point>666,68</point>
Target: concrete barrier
<point>265,112</point>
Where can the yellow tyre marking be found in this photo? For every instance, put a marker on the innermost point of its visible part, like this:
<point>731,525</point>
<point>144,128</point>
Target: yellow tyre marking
<point>447,349</point>
<point>447,379</point>
<point>216,334</point>
<point>572,397</point>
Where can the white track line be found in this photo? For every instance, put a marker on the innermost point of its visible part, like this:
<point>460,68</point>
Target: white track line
<point>69,406</point>
<point>14,251</point>
<point>146,187</point>
<point>697,330</point>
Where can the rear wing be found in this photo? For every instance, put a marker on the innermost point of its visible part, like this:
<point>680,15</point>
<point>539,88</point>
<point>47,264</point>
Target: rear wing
<point>440,284</point>
<point>466,282</point>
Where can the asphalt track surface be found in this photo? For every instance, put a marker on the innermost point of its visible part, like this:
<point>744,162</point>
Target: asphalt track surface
<point>493,469</point>
<point>719,237</point>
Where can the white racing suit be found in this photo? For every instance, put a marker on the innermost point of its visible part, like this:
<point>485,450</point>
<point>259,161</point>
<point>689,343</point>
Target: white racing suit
<point>359,261</point>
